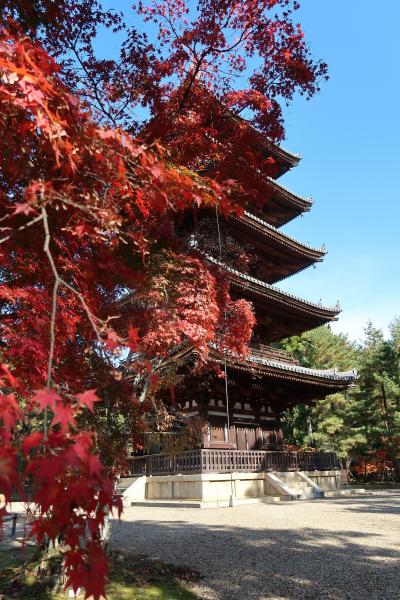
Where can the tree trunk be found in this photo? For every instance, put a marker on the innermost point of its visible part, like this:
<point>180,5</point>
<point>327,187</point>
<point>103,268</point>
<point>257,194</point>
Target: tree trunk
<point>396,470</point>
<point>385,410</point>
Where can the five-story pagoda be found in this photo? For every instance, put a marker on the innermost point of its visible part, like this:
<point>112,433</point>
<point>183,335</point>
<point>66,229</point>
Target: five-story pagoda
<point>242,411</point>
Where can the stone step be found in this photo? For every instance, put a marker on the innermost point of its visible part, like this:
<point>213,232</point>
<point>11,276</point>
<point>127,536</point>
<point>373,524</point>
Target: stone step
<point>299,483</point>
<point>124,483</point>
<point>120,490</point>
<point>285,474</point>
<point>302,493</point>
<point>290,476</point>
<point>293,480</point>
<point>296,482</point>
<point>127,480</point>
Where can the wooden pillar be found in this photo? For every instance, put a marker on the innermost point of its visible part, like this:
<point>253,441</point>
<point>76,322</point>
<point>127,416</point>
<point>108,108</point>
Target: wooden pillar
<point>259,437</point>
<point>241,438</point>
<point>279,433</point>
<point>232,435</point>
<point>206,435</point>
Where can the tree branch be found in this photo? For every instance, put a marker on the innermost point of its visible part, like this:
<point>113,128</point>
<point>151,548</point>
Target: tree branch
<point>59,281</point>
<point>35,220</point>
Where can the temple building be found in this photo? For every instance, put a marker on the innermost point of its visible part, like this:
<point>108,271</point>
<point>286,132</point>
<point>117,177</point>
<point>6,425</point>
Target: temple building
<point>269,380</point>
<point>243,412</point>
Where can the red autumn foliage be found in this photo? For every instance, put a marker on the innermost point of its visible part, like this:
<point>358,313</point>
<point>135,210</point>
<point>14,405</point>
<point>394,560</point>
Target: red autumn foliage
<point>97,285</point>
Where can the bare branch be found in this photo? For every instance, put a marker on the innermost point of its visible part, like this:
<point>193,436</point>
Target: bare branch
<point>46,248</point>
<point>59,281</point>
<point>14,231</point>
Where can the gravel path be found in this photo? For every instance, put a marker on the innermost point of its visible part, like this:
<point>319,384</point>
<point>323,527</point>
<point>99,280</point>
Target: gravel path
<point>6,540</point>
<point>334,549</point>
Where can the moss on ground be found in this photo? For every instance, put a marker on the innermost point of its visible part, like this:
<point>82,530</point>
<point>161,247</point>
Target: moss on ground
<point>131,578</point>
<point>15,579</point>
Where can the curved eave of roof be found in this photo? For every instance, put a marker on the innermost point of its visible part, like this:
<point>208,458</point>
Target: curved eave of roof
<point>290,159</point>
<point>273,368</point>
<point>286,370</point>
<point>283,154</point>
<point>332,374</point>
<point>300,202</point>
<point>275,293</point>
<point>255,223</point>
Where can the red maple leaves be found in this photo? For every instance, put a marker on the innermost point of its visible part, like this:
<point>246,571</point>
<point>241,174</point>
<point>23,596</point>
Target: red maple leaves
<point>46,398</point>
<point>88,399</point>
<point>97,284</point>
<point>73,496</point>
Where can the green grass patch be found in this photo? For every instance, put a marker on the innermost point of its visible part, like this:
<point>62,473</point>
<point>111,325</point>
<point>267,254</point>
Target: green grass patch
<point>15,580</point>
<point>131,578</point>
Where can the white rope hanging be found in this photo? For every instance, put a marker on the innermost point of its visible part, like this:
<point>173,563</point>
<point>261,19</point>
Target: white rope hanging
<point>228,423</point>
<point>225,315</point>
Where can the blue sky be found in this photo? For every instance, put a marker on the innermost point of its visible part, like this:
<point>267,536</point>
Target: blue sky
<point>349,137</point>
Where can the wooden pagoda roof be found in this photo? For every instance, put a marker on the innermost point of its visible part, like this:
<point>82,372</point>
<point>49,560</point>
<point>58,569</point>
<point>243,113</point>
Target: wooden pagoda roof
<point>279,314</point>
<point>282,383</point>
<point>284,159</point>
<point>276,375</point>
<point>268,361</point>
<point>266,366</point>
<point>281,254</point>
<point>267,375</point>
<point>282,204</point>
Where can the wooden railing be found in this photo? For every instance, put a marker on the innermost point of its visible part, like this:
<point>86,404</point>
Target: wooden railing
<point>224,461</point>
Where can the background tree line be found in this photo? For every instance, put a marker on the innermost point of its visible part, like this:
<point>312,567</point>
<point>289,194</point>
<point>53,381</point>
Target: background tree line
<point>362,424</point>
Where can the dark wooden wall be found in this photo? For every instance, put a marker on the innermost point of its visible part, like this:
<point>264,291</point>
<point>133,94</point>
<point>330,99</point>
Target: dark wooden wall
<point>243,438</point>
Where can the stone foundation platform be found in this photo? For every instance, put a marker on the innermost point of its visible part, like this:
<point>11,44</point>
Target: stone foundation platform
<point>220,488</point>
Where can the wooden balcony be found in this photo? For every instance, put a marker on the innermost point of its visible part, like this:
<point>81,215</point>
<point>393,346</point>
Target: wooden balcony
<point>225,461</point>
<point>271,353</point>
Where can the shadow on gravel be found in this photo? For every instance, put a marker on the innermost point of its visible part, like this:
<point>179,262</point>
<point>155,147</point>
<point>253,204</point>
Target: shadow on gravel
<point>389,504</point>
<point>275,564</point>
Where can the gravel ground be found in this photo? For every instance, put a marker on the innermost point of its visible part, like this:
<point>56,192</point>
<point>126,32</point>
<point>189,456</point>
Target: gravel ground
<point>6,540</point>
<point>332,549</point>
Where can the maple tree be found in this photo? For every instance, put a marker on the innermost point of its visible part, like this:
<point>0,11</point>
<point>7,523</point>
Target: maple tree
<point>98,284</point>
